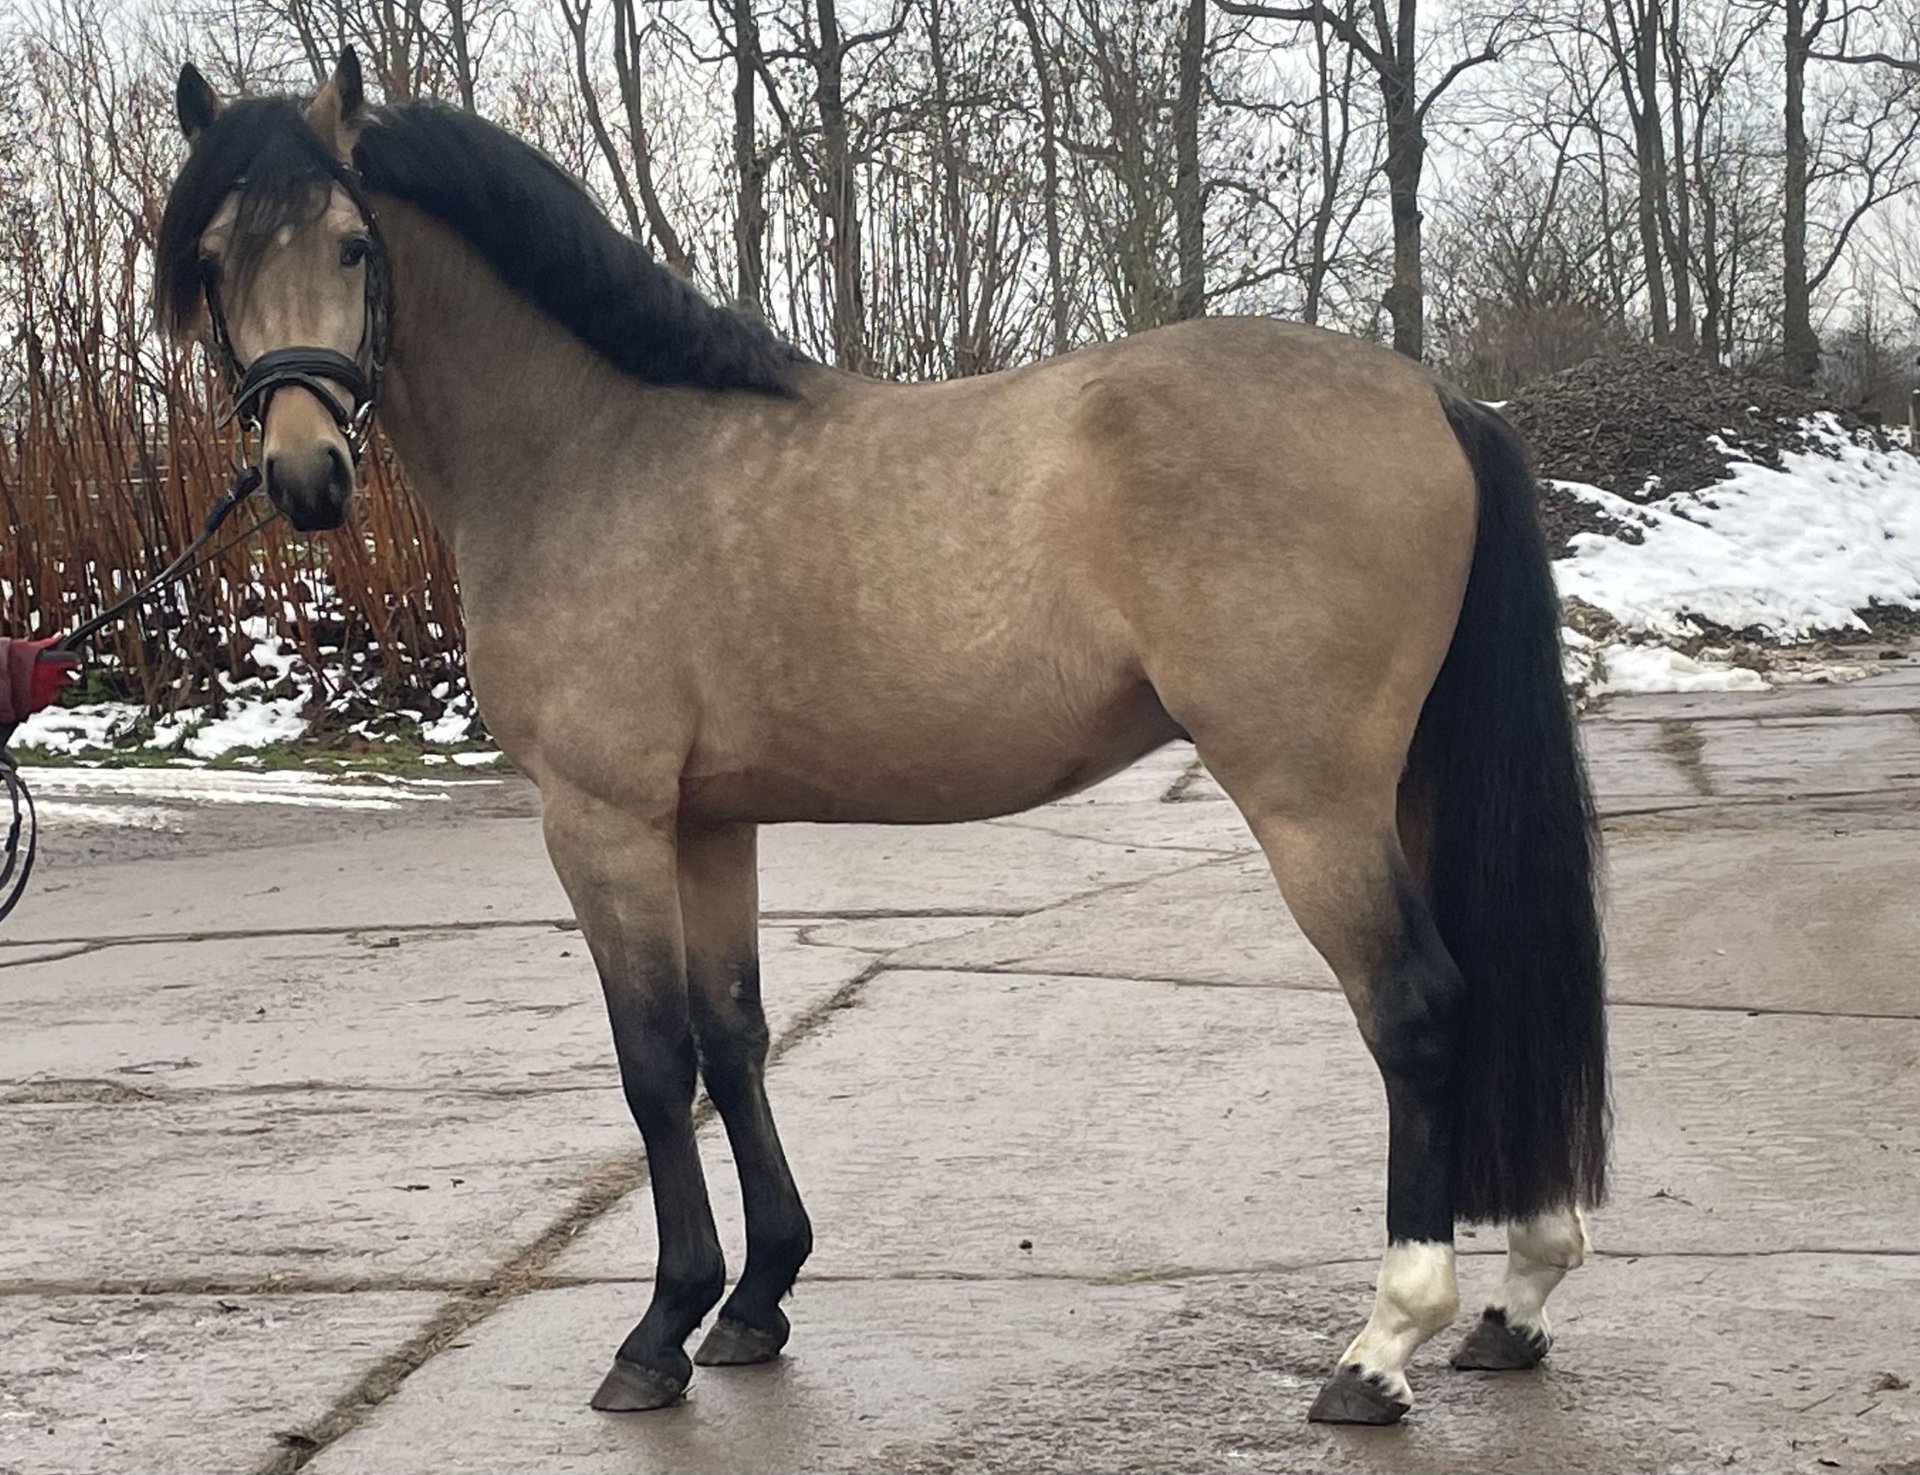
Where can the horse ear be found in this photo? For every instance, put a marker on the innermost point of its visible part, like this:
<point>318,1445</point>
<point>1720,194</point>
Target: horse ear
<point>339,109</point>
<point>195,101</point>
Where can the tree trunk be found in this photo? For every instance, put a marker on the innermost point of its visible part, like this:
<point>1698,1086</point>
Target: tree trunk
<point>964,348</point>
<point>1331,164</point>
<point>1405,299</point>
<point>838,203</point>
<point>1676,219</point>
<point>750,216</point>
<point>462,56</point>
<point>1189,195</point>
<point>578,16</point>
<point>1050,173</point>
<point>1801,347</point>
<point>1650,162</point>
<point>626,65</point>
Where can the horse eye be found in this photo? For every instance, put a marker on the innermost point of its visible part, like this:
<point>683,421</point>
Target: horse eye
<point>353,250</point>
<point>209,268</point>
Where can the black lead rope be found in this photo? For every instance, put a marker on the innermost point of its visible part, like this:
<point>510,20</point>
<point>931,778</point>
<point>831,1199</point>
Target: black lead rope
<point>245,482</point>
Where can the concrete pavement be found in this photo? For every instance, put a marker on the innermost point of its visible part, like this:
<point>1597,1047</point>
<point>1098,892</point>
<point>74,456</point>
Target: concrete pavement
<point>314,1155</point>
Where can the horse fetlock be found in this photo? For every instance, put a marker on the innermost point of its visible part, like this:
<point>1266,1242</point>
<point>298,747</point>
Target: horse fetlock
<point>1551,1241</point>
<point>690,1292</point>
<point>1417,1290</point>
<point>1416,1295</point>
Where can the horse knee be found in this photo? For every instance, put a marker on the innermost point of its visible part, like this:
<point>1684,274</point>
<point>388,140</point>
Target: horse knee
<point>658,1069</point>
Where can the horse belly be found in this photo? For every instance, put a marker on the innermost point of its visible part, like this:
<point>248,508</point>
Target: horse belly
<point>933,765</point>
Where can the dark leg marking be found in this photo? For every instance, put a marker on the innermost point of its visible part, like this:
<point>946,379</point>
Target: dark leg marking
<point>657,1067</point>
<point>731,1026</point>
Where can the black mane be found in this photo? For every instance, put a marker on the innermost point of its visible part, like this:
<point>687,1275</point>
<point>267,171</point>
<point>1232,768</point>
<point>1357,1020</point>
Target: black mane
<point>532,222</point>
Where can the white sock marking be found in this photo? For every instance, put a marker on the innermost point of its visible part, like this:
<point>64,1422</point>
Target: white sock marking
<point>1414,1297</point>
<point>1540,1252</point>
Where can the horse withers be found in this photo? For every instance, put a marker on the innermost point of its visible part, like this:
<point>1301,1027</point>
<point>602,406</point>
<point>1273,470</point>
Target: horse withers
<point>792,593</point>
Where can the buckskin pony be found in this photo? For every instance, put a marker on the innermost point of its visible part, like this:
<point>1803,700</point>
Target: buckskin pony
<point>794,594</point>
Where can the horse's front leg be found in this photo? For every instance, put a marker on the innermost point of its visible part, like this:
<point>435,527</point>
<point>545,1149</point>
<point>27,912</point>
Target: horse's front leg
<point>720,911</point>
<point>619,869</point>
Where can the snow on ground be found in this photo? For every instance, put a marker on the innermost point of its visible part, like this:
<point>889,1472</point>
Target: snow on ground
<point>69,730</point>
<point>1792,553</point>
<point>1654,668</point>
<point>150,798</point>
<point>287,786</point>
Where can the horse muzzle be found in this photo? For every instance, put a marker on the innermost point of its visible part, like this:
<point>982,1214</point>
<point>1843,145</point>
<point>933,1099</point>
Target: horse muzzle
<point>312,487</point>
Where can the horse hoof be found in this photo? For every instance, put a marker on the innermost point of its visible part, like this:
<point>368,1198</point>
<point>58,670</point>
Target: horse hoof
<point>1495,1347</point>
<point>735,1344</point>
<point>1353,1397</point>
<point>630,1388</point>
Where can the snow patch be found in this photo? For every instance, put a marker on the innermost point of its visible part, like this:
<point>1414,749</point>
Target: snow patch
<point>70,730</point>
<point>1654,668</point>
<point>1790,552</point>
<point>101,789</point>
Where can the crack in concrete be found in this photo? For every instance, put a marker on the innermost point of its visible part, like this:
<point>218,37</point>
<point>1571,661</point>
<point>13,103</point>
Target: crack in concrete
<point>267,934</point>
<point>1131,845</point>
<point>81,946</point>
<point>1811,798</point>
<point>1013,970</point>
<point>536,1281</point>
<point>467,1306</point>
<point>1189,776</point>
<point>1828,714</point>
<point>116,1090</point>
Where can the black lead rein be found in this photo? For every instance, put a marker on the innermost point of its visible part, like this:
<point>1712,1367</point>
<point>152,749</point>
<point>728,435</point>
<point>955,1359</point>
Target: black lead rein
<point>245,482</point>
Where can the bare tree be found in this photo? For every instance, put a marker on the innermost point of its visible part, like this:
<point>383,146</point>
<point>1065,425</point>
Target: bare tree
<point>631,167</point>
<point>1045,85</point>
<point>1334,69</point>
<point>1864,147</point>
<point>1189,197</point>
<point>1388,42</point>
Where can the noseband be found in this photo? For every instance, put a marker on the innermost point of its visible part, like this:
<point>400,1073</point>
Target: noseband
<point>310,367</point>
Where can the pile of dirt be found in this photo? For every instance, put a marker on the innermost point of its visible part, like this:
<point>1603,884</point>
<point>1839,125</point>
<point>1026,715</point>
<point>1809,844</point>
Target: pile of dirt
<point>1646,422</point>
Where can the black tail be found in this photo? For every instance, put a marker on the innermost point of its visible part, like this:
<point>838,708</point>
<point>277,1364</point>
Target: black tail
<point>1511,863</point>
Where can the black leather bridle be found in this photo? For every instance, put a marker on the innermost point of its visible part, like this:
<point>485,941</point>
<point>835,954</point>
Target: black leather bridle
<point>312,368</point>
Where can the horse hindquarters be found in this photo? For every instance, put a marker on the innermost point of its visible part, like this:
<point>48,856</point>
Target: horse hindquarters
<point>1456,909</point>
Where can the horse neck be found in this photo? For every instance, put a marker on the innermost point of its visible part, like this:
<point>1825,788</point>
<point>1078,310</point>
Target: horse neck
<point>487,401</point>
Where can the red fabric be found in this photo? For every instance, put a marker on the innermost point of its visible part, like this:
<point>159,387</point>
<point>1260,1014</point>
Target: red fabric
<point>28,683</point>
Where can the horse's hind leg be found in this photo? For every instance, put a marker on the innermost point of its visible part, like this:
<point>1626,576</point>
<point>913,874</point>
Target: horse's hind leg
<point>1512,1332</point>
<point>619,871</point>
<point>719,905</point>
<point>1340,866</point>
